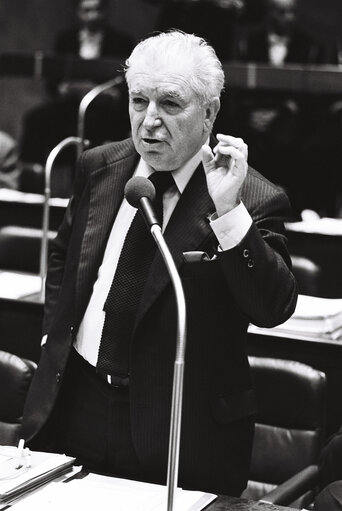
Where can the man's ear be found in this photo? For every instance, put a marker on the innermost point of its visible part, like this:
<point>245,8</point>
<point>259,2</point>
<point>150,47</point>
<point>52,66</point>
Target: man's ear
<point>211,110</point>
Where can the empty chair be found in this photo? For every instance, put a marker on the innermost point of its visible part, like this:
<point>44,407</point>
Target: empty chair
<point>308,275</point>
<point>15,378</point>
<point>290,429</point>
<point>20,248</point>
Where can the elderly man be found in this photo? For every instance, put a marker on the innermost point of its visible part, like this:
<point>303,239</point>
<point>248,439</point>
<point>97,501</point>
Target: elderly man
<point>110,320</point>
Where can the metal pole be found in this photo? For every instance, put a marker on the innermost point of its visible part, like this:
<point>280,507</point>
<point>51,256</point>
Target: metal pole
<point>85,102</point>
<point>177,389</point>
<point>46,208</point>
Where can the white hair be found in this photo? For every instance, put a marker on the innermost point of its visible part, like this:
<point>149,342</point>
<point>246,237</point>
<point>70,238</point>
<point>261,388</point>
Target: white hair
<point>207,80</point>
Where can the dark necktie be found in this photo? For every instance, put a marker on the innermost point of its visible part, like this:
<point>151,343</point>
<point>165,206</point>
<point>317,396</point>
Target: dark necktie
<point>125,292</point>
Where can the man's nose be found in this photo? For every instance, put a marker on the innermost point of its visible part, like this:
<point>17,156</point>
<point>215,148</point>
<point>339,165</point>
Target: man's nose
<point>152,119</point>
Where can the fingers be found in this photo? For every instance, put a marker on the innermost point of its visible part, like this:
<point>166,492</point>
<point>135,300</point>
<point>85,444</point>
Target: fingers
<point>237,143</point>
<point>208,158</point>
<point>237,154</point>
<point>229,153</point>
<point>230,157</point>
<point>207,154</point>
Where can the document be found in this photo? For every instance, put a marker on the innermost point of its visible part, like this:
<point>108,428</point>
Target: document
<point>326,225</point>
<point>7,195</point>
<point>18,285</point>
<point>20,475</point>
<point>314,317</point>
<point>102,493</point>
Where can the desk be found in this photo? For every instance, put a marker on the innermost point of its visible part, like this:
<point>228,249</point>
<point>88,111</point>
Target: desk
<point>322,354</point>
<point>21,326</point>
<point>86,490</point>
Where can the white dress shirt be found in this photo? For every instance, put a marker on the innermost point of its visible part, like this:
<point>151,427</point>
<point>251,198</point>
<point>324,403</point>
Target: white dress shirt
<point>229,230</point>
<point>278,47</point>
<point>90,44</point>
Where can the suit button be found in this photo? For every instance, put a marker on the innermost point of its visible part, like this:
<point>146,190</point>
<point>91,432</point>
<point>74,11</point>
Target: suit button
<point>58,377</point>
<point>245,253</point>
<point>250,263</point>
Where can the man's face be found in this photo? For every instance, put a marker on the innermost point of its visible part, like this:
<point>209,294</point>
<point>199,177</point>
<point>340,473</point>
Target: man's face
<point>283,15</point>
<point>169,125</point>
<point>90,12</point>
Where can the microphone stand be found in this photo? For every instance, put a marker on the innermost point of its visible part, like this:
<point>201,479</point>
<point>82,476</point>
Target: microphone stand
<point>85,102</point>
<point>46,208</point>
<point>177,389</point>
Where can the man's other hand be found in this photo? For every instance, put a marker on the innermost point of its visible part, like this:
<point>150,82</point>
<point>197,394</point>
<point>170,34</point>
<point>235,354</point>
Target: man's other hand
<point>226,169</point>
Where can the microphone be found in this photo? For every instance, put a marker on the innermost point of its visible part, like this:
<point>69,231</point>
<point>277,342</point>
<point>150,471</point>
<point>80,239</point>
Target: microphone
<point>140,193</point>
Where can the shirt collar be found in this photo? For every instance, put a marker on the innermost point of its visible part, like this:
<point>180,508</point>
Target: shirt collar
<point>277,39</point>
<point>181,176</point>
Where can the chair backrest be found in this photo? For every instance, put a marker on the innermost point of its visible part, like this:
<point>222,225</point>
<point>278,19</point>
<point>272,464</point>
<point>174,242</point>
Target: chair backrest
<point>290,425</point>
<point>20,248</point>
<point>15,378</point>
<point>308,275</point>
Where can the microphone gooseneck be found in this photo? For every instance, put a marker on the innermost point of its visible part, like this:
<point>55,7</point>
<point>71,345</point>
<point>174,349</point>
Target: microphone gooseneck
<point>140,193</point>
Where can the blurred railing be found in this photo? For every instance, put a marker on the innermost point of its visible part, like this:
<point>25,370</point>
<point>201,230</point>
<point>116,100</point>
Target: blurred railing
<point>301,78</point>
<point>40,65</point>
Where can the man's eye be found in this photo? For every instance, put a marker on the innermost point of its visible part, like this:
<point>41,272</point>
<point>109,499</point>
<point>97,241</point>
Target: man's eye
<point>170,105</point>
<point>139,102</point>
<point>169,102</point>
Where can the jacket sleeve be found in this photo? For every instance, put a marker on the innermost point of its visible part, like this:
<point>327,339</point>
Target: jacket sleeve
<point>258,269</point>
<point>59,248</point>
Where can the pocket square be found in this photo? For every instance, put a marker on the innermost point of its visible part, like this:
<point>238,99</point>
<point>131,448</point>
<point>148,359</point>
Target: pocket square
<point>195,256</point>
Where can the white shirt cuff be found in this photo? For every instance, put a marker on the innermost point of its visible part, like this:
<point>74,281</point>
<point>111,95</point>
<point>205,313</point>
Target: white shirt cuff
<point>232,227</point>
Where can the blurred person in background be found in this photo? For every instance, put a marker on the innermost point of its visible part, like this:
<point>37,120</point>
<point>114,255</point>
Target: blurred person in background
<point>91,37</point>
<point>214,20</point>
<point>277,123</point>
<point>278,39</point>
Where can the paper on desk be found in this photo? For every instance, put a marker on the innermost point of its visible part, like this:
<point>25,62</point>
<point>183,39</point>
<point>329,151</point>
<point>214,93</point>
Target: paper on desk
<point>41,469</point>
<point>4,458</point>
<point>17,285</point>
<point>328,226</point>
<point>8,195</point>
<point>315,307</point>
<point>314,316</point>
<point>99,492</point>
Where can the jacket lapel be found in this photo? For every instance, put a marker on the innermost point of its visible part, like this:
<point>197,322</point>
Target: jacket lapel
<point>187,230</point>
<point>106,194</point>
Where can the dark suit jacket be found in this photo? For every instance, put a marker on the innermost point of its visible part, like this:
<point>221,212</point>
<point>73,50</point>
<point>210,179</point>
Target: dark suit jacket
<point>277,148</point>
<point>303,48</point>
<point>115,44</point>
<point>204,18</point>
<point>251,282</point>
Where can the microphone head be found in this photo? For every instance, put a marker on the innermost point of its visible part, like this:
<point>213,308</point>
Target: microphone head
<point>137,188</point>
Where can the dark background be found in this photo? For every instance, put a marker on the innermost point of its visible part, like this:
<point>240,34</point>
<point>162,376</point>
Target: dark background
<point>32,25</point>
